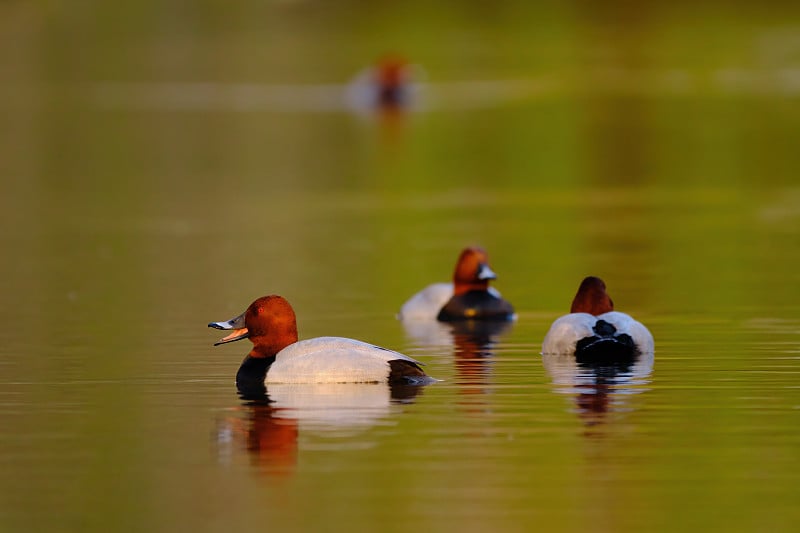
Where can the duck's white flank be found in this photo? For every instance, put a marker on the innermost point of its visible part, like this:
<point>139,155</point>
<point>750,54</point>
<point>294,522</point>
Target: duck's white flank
<point>333,360</point>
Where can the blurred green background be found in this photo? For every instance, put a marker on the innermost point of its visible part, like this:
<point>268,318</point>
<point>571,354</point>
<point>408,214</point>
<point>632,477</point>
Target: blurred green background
<point>164,163</point>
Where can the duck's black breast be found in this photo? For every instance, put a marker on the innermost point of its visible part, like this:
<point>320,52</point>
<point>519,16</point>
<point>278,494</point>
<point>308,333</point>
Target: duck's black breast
<point>251,375</point>
<point>476,305</point>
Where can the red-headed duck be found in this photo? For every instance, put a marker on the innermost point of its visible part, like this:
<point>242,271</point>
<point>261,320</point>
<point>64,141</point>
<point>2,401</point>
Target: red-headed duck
<point>391,84</point>
<point>593,331</point>
<point>278,357</point>
<point>469,297</point>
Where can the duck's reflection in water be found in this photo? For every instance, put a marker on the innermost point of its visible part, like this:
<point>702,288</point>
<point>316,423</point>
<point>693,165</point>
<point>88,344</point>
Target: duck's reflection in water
<point>473,343</point>
<point>270,425</point>
<point>599,388</point>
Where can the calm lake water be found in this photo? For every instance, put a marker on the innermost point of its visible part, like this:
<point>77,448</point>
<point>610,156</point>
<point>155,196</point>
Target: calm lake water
<point>163,167</point>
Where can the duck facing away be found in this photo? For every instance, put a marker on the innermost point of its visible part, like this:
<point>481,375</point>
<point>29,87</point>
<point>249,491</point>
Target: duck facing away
<point>468,297</point>
<point>278,357</point>
<point>594,332</point>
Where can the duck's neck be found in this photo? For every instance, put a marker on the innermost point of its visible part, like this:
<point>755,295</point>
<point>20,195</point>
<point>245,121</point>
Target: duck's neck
<point>463,287</point>
<point>265,350</point>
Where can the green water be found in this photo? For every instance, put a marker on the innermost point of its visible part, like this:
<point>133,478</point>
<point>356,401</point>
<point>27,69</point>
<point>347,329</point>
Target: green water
<point>653,146</point>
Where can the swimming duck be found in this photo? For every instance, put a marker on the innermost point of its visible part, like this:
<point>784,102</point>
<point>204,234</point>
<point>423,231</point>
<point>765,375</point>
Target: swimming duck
<point>391,84</point>
<point>278,357</point>
<point>391,79</point>
<point>594,332</point>
<point>469,297</point>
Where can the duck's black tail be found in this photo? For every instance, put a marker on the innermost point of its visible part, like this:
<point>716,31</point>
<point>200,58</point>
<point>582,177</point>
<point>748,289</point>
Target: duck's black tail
<point>606,348</point>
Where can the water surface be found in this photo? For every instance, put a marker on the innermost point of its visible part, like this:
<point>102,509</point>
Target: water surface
<point>130,221</point>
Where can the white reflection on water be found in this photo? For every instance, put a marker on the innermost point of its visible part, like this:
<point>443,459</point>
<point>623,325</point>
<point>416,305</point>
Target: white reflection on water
<point>598,389</point>
<point>269,429</point>
<point>340,407</point>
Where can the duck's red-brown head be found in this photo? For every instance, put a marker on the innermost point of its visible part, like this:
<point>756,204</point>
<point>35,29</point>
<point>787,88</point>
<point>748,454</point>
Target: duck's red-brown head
<point>472,271</point>
<point>592,298</point>
<point>392,70</point>
<point>269,323</point>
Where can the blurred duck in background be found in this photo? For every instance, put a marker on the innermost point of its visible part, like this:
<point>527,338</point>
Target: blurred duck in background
<point>468,297</point>
<point>390,85</point>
